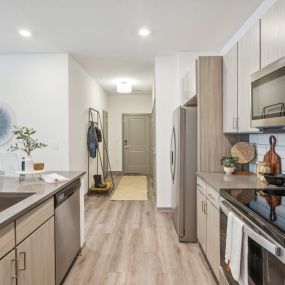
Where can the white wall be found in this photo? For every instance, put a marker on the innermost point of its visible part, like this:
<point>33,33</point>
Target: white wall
<point>84,92</point>
<point>118,104</point>
<point>35,86</point>
<point>167,99</point>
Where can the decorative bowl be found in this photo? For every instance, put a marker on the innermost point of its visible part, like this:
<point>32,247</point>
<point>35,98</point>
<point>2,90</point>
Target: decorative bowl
<point>275,179</point>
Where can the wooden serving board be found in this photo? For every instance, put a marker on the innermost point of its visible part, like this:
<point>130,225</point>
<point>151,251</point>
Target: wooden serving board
<point>272,157</point>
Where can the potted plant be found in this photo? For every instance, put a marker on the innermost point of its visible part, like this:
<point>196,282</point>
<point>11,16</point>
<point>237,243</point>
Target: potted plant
<point>26,143</point>
<point>228,162</point>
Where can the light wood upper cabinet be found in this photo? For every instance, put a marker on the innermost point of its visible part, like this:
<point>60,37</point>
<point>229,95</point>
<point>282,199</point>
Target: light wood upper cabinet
<point>8,269</point>
<point>36,258</point>
<point>272,33</point>
<point>248,63</point>
<point>201,220</point>
<point>213,237</point>
<point>230,102</point>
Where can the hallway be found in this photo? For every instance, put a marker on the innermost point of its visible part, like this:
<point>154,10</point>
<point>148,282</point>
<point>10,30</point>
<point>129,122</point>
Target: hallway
<point>130,242</point>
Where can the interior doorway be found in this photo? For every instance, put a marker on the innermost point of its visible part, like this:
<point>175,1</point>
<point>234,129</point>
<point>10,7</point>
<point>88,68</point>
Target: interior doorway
<point>136,143</point>
<point>105,134</point>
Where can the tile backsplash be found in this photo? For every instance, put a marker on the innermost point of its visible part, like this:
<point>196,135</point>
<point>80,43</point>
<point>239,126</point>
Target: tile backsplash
<point>261,141</point>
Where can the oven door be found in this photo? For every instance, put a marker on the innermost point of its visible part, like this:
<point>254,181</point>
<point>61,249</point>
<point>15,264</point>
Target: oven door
<point>266,263</point>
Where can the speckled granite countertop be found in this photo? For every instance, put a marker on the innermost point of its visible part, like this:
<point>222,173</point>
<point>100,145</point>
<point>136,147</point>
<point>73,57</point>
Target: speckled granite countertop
<point>222,181</point>
<point>41,191</point>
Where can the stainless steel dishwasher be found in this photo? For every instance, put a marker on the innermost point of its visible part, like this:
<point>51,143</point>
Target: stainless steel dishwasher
<point>67,229</point>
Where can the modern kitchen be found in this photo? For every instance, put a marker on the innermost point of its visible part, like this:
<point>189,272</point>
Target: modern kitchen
<point>150,158</point>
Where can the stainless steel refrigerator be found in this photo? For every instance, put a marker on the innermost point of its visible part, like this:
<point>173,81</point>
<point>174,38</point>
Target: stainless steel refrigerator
<point>183,161</point>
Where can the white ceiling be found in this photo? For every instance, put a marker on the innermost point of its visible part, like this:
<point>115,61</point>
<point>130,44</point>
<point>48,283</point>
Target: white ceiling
<point>102,34</point>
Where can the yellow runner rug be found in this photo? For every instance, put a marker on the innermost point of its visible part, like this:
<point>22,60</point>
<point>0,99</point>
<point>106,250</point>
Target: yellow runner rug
<point>131,188</point>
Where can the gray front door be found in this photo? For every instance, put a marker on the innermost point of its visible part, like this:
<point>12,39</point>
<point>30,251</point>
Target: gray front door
<point>136,143</point>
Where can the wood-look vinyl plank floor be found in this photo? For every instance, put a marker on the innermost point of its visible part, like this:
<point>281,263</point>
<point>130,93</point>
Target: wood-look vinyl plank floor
<point>131,243</point>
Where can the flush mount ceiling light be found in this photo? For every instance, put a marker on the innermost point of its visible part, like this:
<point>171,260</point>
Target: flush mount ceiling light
<point>124,87</point>
<point>25,33</point>
<point>144,32</point>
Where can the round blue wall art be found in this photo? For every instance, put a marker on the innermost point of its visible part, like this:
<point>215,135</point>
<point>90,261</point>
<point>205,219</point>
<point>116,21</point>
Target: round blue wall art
<point>7,120</point>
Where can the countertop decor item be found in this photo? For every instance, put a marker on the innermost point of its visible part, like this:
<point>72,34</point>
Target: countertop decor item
<point>39,166</point>
<point>245,153</point>
<point>26,143</point>
<point>272,157</point>
<point>262,167</point>
<point>275,179</point>
<point>228,162</point>
<point>7,120</point>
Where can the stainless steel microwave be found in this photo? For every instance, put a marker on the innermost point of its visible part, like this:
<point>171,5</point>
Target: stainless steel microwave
<point>268,96</point>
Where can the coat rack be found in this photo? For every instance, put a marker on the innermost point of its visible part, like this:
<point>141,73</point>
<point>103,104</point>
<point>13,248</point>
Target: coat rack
<point>109,184</point>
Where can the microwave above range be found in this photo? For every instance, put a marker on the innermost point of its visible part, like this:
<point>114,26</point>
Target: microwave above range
<point>268,96</point>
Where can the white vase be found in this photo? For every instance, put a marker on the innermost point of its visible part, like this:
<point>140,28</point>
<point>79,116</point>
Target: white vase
<point>29,164</point>
<point>229,170</point>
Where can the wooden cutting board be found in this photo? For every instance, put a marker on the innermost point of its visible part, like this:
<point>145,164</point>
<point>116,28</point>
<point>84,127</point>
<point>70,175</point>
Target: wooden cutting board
<point>272,157</point>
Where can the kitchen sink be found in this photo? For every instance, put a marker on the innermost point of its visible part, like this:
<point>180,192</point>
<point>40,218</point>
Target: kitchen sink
<point>10,199</point>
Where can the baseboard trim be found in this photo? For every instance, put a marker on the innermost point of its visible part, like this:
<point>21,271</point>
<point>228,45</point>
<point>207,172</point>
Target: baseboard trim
<point>116,172</point>
<point>164,209</point>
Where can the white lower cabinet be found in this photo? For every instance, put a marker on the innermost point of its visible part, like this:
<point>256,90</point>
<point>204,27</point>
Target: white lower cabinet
<point>201,220</point>
<point>213,237</point>
<point>208,225</point>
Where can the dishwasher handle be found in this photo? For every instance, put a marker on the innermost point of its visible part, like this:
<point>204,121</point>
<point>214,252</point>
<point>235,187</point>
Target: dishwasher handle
<point>68,191</point>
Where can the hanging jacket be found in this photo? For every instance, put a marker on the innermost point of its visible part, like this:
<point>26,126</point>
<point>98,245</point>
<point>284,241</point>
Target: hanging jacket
<point>92,141</point>
<point>99,134</point>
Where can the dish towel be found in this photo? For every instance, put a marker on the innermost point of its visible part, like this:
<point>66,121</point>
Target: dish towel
<point>53,178</point>
<point>236,249</point>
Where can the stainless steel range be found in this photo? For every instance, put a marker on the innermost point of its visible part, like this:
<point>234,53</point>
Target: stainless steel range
<point>263,212</point>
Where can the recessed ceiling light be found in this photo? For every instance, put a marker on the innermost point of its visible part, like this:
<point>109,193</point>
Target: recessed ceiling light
<point>124,87</point>
<point>144,32</point>
<point>25,33</point>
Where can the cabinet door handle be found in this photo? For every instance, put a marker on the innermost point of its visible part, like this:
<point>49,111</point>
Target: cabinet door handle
<point>205,208</point>
<point>22,261</point>
<point>235,123</point>
<point>13,266</point>
<point>203,205</point>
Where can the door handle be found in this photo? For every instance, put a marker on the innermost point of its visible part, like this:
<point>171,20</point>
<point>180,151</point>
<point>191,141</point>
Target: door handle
<point>125,142</point>
<point>204,209</point>
<point>263,242</point>
<point>13,266</point>
<point>22,261</point>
